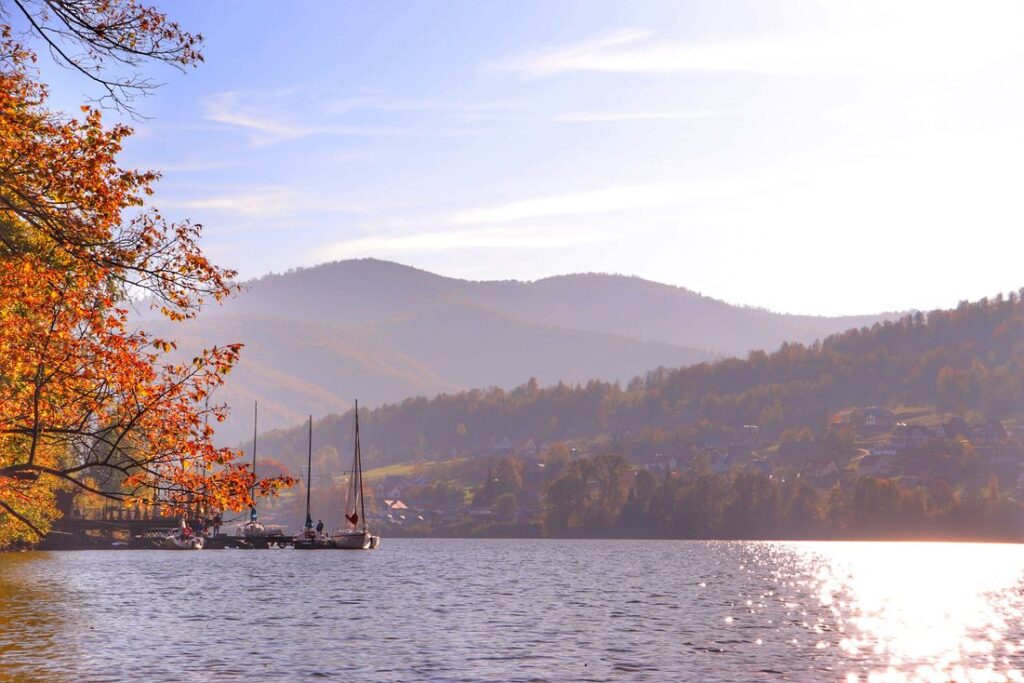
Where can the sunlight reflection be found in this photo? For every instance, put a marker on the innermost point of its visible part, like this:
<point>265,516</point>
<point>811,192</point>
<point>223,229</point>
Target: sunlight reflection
<point>928,611</point>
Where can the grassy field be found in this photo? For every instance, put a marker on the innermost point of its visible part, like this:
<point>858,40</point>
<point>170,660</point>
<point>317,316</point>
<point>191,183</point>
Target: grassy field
<point>458,470</point>
<point>405,469</point>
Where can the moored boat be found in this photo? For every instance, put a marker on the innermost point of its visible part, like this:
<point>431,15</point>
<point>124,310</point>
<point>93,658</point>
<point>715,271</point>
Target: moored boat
<point>254,534</point>
<point>182,541</point>
<point>356,535</point>
<point>308,538</point>
<point>351,539</point>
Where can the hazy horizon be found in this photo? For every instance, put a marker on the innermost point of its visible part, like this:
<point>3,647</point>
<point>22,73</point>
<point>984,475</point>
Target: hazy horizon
<point>530,280</point>
<point>714,147</point>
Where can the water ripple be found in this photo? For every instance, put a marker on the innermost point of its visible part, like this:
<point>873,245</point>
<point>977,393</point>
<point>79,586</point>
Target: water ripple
<point>527,611</point>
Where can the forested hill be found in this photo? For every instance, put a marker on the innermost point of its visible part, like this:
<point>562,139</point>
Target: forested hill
<point>316,338</point>
<point>967,359</point>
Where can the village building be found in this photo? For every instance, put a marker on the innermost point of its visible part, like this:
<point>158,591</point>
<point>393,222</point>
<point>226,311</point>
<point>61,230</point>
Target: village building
<point>877,419</point>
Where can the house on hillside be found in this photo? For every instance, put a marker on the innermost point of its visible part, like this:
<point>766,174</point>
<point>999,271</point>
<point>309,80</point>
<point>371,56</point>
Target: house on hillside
<point>906,436</point>
<point>395,511</point>
<point>878,419</point>
<point>390,488</point>
<point>884,449</point>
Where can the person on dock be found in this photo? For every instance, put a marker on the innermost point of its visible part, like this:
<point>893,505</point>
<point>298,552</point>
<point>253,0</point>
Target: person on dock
<point>217,521</point>
<point>320,527</point>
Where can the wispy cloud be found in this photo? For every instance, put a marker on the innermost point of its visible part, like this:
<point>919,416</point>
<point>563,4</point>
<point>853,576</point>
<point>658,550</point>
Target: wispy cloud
<point>259,114</point>
<point>378,101</point>
<point>440,109</point>
<point>628,116</point>
<point>942,42</point>
<point>584,55</point>
<point>189,166</point>
<point>601,200</point>
<point>269,117</point>
<point>264,202</point>
<point>492,237</point>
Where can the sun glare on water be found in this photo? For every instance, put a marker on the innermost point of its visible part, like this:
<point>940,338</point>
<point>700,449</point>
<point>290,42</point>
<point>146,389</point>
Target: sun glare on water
<point>927,611</point>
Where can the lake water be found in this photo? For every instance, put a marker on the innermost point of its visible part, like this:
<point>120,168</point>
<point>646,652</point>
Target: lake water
<point>498,610</point>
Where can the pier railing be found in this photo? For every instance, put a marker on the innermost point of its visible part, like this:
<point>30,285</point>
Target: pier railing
<point>119,513</point>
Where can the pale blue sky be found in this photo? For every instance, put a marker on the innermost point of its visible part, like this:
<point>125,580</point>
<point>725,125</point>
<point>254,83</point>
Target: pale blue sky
<point>806,157</point>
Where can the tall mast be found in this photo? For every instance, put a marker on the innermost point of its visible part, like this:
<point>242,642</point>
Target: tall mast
<point>359,469</point>
<point>309,473</point>
<point>252,491</point>
<point>255,420</point>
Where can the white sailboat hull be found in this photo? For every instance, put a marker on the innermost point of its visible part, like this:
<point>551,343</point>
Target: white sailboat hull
<point>352,540</point>
<point>177,542</point>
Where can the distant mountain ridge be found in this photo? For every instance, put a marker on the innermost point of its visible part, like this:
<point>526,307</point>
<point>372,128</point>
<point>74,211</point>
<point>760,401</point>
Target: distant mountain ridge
<point>380,331</point>
<point>658,312</point>
<point>967,361</point>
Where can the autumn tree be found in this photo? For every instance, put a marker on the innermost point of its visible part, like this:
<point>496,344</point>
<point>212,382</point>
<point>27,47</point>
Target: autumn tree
<point>84,396</point>
<point>107,41</point>
<point>589,496</point>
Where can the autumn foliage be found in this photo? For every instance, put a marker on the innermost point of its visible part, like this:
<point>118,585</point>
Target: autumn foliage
<point>86,399</point>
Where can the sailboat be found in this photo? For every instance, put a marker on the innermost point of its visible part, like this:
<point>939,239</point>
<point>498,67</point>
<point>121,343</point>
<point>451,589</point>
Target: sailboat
<point>308,539</point>
<point>253,526</point>
<point>178,542</point>
<point>254,532</point>
<point>356,535</point>
<point>183,539</point>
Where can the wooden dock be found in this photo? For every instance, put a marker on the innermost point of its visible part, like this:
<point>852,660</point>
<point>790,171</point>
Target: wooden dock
<point>128,529</point>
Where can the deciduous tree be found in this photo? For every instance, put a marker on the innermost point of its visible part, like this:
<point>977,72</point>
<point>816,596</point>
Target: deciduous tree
<point>84,396</point>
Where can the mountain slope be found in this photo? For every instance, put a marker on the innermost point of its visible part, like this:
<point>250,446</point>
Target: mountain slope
<point>370,291</point>
<point>296,368</point>
<point>650,310</point>
<point>466,343</point>
<point>969,360</point>
<point>318,337</point>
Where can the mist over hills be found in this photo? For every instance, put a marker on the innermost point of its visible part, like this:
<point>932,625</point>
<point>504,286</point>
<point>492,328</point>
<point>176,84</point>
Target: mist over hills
<point>317,337</point>
<point>967,361</point>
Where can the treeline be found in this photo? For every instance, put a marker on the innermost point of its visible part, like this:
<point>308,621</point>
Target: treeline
<point>968,358</point>
<point>605,496</point>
